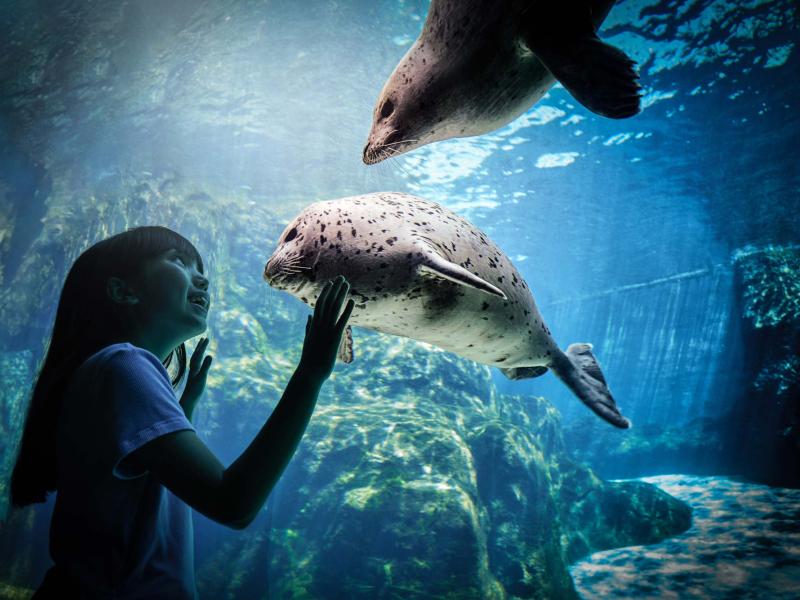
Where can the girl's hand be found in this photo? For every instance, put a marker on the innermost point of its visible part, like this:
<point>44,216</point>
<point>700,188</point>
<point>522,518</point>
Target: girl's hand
<point>196,381</point>
<point>324,329</point>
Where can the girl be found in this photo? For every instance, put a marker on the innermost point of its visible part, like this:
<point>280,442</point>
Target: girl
<point>105,430</point>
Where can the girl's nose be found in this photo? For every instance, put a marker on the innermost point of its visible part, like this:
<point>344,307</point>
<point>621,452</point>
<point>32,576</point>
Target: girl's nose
<point>201,282</point>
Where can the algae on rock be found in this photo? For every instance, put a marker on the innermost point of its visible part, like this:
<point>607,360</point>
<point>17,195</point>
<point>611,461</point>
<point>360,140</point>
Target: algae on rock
<point>447,490</point>
<point>764,442</point>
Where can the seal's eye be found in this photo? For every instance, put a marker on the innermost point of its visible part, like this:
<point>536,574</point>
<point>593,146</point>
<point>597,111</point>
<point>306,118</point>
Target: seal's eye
<point>387,109</point>
<point>291,235</point>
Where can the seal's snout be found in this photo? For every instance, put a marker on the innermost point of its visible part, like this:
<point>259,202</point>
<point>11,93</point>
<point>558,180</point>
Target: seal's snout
<point>269,269</point>
<point>376,152</point>
<point>366,155</point>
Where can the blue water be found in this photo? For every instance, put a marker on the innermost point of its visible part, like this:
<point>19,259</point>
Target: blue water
<point>625,231</point>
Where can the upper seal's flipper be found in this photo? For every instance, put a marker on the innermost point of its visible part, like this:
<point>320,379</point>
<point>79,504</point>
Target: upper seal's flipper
<point>437,266</point>
<point>598,75</point>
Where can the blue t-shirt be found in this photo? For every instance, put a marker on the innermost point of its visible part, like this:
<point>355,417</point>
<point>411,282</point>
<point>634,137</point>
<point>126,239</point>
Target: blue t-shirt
<point>120,534</point>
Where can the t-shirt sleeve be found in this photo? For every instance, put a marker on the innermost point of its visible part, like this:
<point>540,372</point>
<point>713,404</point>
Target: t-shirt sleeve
<point>140,405</point>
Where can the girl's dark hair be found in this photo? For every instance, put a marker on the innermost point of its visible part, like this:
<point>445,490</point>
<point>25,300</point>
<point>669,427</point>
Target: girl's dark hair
<point>86,321</point>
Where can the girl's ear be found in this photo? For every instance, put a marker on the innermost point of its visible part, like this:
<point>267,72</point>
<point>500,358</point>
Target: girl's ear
<point>120,292</point>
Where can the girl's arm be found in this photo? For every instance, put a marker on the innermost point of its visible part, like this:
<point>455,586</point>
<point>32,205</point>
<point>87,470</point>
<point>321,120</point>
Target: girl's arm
<point>234,496</point>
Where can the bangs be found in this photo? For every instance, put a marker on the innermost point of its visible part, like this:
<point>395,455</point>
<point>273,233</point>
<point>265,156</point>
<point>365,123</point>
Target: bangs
<point>181,244</point>
<point>151,241</point>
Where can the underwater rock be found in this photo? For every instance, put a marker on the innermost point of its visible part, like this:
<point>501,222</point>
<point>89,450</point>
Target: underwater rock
<point>17,369</point>
<point>764,442</point>
<point>742,544</point>
<point>23,533</point>
<point>770,286</point>
<point>415,479</point>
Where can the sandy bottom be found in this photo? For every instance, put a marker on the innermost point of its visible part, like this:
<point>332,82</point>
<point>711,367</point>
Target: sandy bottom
<point>744,543</point>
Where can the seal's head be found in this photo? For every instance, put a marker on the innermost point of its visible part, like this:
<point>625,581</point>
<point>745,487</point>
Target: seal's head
<point>447,84</point>
<point>398,121</point>
<point>415,107</point>
<point>290,266</point>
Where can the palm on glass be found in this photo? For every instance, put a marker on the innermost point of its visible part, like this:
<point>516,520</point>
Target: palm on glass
<point>196,380</point>
<point>325,327</point>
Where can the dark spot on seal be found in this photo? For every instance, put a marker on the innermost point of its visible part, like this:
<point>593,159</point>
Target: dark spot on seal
<point>322,227</point>
<point>484,306</point>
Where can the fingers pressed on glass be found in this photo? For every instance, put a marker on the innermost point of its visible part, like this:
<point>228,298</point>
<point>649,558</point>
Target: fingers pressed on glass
<point>319,313</point>
<point>341,294</point>
<point>346,314</point>
<point>332,305</point>
<point>319,309</point>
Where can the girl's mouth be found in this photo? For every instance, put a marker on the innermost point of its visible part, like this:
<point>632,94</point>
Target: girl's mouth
<point>200,301</point>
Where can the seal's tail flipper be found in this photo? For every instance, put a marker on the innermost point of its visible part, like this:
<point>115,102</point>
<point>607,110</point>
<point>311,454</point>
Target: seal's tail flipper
<point>582,374</point>
<point>598,75</point>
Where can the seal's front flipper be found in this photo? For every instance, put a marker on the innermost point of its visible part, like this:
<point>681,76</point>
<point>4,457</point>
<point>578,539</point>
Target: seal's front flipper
<point>345,353</point>
<point>578,368</point>
<point>524,372</point>
<point>439,267</point>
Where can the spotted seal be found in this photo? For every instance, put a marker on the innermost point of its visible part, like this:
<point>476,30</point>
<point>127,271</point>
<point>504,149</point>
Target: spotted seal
<point>479,64</point>
<point>420,271</point>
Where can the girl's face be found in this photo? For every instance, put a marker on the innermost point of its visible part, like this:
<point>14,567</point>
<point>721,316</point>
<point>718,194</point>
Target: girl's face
<point>168,290</point>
